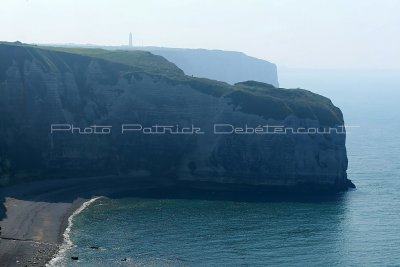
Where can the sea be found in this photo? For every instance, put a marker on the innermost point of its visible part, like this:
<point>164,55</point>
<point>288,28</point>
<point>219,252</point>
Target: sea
<point>357,228</point>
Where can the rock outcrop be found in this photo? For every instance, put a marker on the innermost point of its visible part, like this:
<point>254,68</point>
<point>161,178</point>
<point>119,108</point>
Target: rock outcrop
<point>41,87</point>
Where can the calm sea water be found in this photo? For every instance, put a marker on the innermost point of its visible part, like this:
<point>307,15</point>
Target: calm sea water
<point>359,228</point>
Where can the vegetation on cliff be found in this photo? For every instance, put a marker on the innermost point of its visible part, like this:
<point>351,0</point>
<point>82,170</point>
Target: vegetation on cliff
<point>249,96</point>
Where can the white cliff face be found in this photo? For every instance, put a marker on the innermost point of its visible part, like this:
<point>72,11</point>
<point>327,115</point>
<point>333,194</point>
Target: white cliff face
<point>227,66</point>
<point>34,97</point>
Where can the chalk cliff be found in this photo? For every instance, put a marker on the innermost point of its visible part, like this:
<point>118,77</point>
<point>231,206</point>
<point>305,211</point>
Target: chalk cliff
<point>40,87</point>
<point>226,66</point>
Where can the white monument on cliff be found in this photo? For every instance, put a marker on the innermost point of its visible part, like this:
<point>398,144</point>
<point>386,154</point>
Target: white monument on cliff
<point>130,39</point>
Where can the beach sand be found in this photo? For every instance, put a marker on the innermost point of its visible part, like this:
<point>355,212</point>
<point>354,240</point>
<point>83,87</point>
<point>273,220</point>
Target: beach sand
<point>36,215</point>
<point>32,231</point>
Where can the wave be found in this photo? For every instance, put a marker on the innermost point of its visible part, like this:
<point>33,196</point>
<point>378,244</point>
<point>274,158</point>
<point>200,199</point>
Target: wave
<point>67,243</point>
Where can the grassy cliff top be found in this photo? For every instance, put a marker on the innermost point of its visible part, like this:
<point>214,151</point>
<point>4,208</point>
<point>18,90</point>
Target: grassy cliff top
<point>250,97</point>
<point>140,60</point>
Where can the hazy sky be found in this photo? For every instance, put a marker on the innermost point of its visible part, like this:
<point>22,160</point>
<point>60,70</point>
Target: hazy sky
<point>341,34</point>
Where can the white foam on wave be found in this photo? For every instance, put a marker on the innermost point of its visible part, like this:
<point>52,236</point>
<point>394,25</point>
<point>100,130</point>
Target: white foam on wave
<point>67,243</point>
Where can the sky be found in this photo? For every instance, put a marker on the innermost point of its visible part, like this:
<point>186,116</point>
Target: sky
<point>306,34</point>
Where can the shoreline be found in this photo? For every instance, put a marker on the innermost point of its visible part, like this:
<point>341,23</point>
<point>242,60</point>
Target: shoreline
<point>32,247</point>
<point>35,215</point>
<point>66,242</point>
<point>34,250</point>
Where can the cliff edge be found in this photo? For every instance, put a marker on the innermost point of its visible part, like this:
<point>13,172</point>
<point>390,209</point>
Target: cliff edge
<point>41,87</point>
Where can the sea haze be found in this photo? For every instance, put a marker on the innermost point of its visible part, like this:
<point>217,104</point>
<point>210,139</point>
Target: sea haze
<point>356,228</point>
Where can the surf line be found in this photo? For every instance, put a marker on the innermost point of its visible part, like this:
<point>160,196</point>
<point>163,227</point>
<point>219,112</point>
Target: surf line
<point>67,242</point>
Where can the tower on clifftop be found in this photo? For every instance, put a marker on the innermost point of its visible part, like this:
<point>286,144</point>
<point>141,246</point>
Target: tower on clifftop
<point>130,39</point>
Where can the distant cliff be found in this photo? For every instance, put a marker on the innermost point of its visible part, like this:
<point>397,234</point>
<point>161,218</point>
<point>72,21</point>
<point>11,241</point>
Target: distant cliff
<point>227,66</point>
<point>41,86</point>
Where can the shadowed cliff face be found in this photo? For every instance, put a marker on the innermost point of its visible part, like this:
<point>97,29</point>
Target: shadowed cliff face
<point>39,88</point>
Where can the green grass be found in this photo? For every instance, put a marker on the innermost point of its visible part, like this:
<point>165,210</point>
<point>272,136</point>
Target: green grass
<point>138,60</point>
